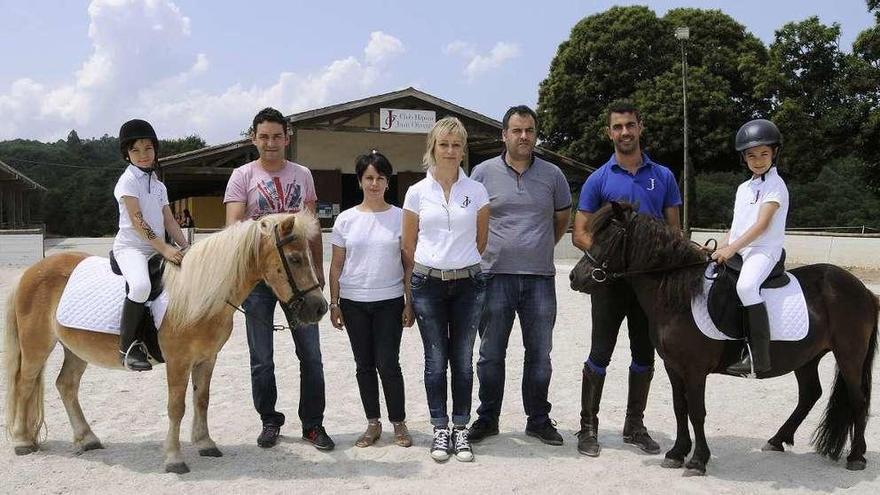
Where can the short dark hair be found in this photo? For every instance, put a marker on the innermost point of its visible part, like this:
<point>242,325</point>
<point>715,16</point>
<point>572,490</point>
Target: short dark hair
<point>518,110</point>
<point>377,160</point>
<point>268,114</point>
<point>623,106</point>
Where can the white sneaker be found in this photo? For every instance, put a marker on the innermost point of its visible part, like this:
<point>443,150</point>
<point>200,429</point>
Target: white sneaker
<point>462,445</point>
<point>440,445</point>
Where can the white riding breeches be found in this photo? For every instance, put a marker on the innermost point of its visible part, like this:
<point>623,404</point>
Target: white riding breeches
<point>133,265</point>
<point>756,267</point>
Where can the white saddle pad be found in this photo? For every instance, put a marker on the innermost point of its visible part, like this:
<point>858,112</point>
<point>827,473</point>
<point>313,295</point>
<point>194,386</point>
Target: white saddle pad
<point>92,299</point>
<point>786,308</point>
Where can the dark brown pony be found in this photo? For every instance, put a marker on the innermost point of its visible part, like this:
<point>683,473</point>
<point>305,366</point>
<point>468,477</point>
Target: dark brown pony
<point>216,275</point>
<point>666,270</point>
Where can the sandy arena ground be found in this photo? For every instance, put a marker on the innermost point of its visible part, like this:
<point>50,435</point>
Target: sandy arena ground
<point>127,412</point>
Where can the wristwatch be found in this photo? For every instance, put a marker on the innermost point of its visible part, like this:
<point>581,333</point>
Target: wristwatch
<point>334,305</point>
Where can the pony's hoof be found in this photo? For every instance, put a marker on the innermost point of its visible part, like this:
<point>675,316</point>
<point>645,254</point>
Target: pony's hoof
<point>95,445</point>
<point>25,449</point>
<point>856,465</point>
<point>177,468</point>
<point>769,447</point>
<point>695,468</point>
<point>212,452</point>
<point>672,463</point>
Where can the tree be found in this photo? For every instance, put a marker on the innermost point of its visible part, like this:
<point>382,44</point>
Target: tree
<point>864,79</point>
<point>594,67</point>
<point>80,179</point>
<point>813,108</point>
<point>606,56</point>
<point>73,141</point>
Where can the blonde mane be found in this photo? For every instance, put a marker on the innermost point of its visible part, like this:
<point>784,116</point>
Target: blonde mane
<point>215,267</point>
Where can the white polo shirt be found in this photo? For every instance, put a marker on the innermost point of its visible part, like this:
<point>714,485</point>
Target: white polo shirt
<point>750,196</point>
<point>152,198</point>
<point>447,231</point>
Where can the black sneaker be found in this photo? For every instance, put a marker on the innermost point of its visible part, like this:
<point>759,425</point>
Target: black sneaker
<point>318,437</point>
<point>545,432</point>
<point>440,444</point>
<point>482,428</point>
<point>269,436</point>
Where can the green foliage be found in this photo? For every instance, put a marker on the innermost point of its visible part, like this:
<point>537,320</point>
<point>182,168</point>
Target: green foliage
<point>80,176</point>
<point>826,103</point>
<point>815,110</point>
<point>715,193</point>
<point>606,57</point>
<point>834,199</point>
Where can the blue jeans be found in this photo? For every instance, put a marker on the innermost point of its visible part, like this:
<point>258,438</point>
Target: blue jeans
<point>448,314</point>
<point>260,309</point>
<point>533,299</point>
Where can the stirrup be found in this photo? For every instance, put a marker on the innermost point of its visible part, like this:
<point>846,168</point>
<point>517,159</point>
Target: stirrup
<point>751,374</point>
<point>143,348</point>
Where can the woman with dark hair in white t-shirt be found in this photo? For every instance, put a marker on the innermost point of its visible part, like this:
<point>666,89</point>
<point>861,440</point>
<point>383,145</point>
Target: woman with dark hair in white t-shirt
<point>367,295</point>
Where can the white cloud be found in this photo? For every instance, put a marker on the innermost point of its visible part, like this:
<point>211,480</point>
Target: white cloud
<point>382,47</point>
<point>141,66</point>
<point>459,47</point>
<point>479,64</point>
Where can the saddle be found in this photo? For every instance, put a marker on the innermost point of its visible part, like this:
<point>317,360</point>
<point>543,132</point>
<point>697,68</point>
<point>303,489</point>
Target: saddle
<point>147,332</point>
<point>725,308</point>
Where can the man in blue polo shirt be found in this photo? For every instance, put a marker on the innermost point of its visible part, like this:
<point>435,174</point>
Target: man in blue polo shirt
<point>530,209</point>
<point>629,175</point>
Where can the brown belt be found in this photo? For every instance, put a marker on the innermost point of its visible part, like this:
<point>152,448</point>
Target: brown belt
<point>446,275</point>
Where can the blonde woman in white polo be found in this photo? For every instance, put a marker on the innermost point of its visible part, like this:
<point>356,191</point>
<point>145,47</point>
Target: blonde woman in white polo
<point>445,228</point>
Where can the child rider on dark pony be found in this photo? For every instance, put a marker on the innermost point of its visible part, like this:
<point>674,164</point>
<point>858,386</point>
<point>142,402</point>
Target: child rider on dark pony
<point>757,234</point>
<point>144,218</point>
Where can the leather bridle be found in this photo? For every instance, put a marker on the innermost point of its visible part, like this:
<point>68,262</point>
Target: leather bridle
<point>297,298</point>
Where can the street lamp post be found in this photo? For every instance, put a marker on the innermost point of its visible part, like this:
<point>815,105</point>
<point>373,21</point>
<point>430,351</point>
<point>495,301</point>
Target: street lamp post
<point>683,34</point>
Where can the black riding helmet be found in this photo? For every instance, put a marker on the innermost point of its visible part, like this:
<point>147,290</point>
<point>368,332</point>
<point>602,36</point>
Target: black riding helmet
<point>757,132</point>
<point>133,130</point>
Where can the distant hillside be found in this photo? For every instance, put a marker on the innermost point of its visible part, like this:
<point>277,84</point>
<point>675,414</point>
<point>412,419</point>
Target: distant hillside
<point>79,175</point>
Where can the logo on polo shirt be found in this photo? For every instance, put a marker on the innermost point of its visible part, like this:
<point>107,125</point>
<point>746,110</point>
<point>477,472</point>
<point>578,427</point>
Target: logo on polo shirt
<point>466,202</point>
<point>652,185</point>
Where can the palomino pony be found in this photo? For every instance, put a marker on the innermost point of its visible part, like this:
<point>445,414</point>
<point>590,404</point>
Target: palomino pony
<point>215,277</point>
<point>666,271</point>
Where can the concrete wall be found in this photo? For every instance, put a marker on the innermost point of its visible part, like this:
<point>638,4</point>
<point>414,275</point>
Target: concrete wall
<point>846,251</point>
<point>21,247</point>
<point>842,250</point>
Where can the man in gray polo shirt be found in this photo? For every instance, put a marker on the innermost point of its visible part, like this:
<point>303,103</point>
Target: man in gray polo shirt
<point>530,203</point>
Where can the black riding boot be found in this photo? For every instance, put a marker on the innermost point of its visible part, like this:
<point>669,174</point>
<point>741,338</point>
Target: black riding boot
<point>759,342</point>
<point>634,431</point>
<point>132,315</point>
<point>591,396</point>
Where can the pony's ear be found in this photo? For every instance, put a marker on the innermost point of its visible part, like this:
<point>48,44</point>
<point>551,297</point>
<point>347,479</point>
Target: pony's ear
<point>617,211</point>
<point>286,225</point>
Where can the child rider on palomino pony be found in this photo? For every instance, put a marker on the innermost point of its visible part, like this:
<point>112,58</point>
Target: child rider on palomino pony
<point>144,217</point>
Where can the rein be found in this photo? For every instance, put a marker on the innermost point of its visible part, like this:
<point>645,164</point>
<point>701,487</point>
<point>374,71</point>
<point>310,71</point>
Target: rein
<point>292,306</point>
<point>600,272</point>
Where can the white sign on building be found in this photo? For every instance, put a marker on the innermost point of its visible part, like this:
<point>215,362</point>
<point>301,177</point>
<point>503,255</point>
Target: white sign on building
<point>413,121</point>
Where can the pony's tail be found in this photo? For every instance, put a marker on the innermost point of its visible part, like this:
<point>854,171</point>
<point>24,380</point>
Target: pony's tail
<point>33,404</point>
<point>840,417</point>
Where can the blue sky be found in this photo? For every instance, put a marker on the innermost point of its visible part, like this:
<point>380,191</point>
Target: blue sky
<point>198,67</point>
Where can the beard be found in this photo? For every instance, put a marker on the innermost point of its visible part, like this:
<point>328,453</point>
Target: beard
<point>627,148</point>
